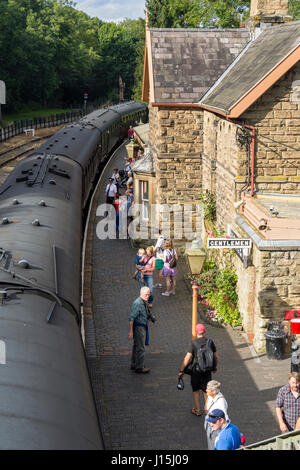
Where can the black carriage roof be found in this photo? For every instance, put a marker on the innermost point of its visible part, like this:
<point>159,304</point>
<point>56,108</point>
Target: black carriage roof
<point>46,400</point>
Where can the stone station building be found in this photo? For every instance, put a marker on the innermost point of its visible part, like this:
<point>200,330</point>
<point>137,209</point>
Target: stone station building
<point>224,116</point>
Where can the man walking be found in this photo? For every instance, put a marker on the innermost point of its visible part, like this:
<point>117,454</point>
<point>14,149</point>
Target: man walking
<point>288,403</point>
<point>200,378</point>
<point>228,435</point>
<point>138,330</point>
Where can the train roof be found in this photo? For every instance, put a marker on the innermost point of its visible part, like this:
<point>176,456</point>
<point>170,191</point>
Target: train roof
<point>46,400</point>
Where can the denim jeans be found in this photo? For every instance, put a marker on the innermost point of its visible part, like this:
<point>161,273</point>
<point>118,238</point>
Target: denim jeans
<point>138,348</point>
<point>148,280</point>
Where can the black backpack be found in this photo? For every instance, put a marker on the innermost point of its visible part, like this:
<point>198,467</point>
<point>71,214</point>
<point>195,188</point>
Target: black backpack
<point>204,359</point>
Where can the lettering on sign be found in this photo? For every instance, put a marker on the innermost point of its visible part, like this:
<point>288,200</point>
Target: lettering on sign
<point>229,243</point>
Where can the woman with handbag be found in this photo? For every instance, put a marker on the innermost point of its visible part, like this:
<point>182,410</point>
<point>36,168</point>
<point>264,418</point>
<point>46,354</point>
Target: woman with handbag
<point>215,400</point>
<point>169,270</point>
<point>149,266</point>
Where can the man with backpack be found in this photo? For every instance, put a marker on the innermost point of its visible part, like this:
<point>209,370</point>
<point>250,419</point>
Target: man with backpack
<point>200,361</point>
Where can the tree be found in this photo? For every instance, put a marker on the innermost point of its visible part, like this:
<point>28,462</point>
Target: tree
<point>196,13</point>
<point>294,7</point>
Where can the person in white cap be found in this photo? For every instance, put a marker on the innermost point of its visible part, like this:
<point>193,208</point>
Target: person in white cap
<point>203,356</point>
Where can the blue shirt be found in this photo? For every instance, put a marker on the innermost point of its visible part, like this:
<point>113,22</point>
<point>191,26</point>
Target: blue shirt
<point>228,438</point>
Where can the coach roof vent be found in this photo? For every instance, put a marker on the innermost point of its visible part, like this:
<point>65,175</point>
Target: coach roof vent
<point>36,223</point>
<point>23,263</point>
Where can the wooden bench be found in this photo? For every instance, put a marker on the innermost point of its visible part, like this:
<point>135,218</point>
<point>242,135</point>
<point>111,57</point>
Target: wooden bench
<point>29,130</point>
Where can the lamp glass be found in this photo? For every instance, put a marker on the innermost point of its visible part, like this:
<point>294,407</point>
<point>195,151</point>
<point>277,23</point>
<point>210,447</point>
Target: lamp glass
<point>195,259</point>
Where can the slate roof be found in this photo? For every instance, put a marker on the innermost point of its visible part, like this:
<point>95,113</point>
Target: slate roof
<point>142,131</point>
<point>270,48</point>
<point>186,62</point>
<point>145,164</point>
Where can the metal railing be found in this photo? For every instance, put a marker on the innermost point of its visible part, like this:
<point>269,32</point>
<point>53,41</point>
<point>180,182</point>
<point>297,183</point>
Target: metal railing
<point>19,127</point>
<point>287,441</point>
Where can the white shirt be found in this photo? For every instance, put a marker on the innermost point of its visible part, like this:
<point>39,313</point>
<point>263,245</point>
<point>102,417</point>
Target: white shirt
<point>111,190</point>
<point>160,245</point>
<point>218,402</point>
<point>115,177</point>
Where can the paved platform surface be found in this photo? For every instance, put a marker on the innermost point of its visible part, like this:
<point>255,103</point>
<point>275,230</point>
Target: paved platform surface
<point>147,411</point>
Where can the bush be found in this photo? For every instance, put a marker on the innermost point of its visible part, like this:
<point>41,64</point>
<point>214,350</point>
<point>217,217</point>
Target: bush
<point>224,299</point>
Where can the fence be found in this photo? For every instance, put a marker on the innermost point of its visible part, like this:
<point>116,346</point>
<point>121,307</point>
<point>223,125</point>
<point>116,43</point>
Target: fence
<point>19,127</point>
<point>287,441</point>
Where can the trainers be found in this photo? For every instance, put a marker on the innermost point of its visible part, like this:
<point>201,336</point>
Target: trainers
<point>159,286</point>
<point>142,371</point>
<point>166,293</point>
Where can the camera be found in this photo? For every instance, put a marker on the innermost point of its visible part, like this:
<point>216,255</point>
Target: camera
<point>180,383</point>
<point>151,318</point>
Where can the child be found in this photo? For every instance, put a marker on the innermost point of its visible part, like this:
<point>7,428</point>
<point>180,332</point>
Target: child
<point>139,262</point>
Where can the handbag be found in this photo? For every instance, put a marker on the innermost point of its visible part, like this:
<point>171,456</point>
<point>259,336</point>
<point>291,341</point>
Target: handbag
<point>173,262</point>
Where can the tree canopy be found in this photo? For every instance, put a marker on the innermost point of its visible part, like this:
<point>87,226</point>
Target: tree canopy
<point>51,53</point>
<point>203,13</point>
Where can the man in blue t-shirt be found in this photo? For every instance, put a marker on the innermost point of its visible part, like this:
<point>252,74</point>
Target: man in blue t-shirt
<point>229,436</point>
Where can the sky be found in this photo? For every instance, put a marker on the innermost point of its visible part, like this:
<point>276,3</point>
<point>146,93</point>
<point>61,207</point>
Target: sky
<point>112,10</point>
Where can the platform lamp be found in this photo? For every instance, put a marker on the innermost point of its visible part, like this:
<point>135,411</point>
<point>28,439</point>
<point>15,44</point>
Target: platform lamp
<point>195,256</point>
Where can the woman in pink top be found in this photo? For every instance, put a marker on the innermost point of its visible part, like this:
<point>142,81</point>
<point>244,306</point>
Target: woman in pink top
<point>149,267</point>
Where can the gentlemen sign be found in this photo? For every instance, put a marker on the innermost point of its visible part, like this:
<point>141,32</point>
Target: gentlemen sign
<point>234,243</point>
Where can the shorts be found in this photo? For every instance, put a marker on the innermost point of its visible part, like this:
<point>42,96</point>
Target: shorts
<point>200,381</point>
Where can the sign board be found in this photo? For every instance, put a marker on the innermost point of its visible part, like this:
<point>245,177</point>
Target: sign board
<point>234,243</point>
<point>242,246</point>
<point>2,92</point>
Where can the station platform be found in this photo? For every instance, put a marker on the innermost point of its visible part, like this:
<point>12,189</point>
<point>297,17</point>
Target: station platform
<point>147,412</point>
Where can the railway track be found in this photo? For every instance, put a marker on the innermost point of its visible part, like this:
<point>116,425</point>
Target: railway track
<point>9,158</point>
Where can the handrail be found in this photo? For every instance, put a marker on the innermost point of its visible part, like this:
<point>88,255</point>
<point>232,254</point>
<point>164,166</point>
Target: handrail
<point>286,441</point>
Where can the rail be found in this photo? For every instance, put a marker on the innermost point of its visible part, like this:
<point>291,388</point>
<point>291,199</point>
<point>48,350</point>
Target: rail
<point>287,441</point>
<point>19,127</point>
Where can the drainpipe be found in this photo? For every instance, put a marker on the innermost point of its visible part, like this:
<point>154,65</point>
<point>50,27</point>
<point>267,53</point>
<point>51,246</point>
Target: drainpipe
<point>252,150</point>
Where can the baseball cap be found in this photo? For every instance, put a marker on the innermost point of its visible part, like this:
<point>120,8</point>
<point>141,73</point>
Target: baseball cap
<point>215,415</point>
<point>200,328</point>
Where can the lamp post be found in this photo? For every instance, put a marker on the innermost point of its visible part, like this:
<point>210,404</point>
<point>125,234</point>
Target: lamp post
<point>195,256</point>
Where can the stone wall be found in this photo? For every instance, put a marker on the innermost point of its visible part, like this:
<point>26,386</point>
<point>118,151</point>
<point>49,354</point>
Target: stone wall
<point>224,165</point>
<point>268,287</point>
<point>175,138</point>
<point>276,116</point>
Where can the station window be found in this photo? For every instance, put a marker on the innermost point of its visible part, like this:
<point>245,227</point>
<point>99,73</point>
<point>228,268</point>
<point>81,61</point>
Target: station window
<point>145,199</point>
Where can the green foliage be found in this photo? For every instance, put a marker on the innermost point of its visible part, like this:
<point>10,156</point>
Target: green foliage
<point>51,53</point>
<point>208,201</point>
<point>217,293</point>
<point>294,9</point>
<point>196,13</point>
<point>223,13</point>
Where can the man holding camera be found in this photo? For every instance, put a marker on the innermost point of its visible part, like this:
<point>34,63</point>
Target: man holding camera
<point>138,330</point>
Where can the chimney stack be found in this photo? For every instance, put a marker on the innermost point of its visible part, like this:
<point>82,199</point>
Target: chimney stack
<point>269,11</point>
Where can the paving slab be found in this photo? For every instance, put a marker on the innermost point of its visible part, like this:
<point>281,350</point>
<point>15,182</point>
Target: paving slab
<point>147,412</point>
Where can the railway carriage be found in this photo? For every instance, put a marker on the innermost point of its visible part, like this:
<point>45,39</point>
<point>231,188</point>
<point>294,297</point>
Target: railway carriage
<point>46,400</point>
